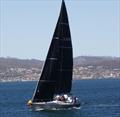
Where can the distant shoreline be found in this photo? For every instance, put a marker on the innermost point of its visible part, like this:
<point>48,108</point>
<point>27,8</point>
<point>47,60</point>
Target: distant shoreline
<point>73,80</point>
<point>84,67</point>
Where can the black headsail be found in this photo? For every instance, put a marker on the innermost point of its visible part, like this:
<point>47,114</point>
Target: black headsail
<point>56,75</point>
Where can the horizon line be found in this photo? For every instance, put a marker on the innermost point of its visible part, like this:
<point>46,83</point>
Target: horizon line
<point>11,57</point>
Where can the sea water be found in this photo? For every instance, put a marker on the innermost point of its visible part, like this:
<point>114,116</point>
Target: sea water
<point>99,98</point>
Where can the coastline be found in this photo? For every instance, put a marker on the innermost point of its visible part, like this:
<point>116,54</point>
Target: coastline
<point>84,68</point>
<point>12,81</point>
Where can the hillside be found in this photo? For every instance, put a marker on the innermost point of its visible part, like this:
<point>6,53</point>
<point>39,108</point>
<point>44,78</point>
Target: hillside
<point>106,62</point>
<point>6,63</point>
<point>85,67</point>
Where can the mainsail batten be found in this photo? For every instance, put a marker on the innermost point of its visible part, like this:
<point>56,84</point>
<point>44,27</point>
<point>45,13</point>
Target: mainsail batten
<point>56,76</point>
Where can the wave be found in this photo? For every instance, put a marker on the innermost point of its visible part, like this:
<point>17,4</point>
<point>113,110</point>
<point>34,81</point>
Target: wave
<point>104,105</point>
<point>57,109</point>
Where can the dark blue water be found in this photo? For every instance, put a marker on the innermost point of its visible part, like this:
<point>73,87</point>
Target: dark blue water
<point>100,98</point>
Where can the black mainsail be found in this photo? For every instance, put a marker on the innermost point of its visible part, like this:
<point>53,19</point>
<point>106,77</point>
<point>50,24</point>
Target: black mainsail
<point>56,76</point>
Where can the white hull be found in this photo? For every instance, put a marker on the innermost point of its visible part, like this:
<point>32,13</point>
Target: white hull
<point>55,105</point>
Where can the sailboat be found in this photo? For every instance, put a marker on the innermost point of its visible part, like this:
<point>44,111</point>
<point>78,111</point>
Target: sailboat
<point>55,83</point>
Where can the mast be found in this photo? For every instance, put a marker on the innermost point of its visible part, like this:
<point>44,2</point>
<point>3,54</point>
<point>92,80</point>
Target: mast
<point>56,76</point>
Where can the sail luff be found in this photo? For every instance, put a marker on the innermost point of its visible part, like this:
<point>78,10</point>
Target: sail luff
<point>55,37</point>
<point>47,78</point>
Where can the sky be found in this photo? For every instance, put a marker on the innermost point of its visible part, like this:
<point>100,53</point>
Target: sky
<point>27,26</point>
